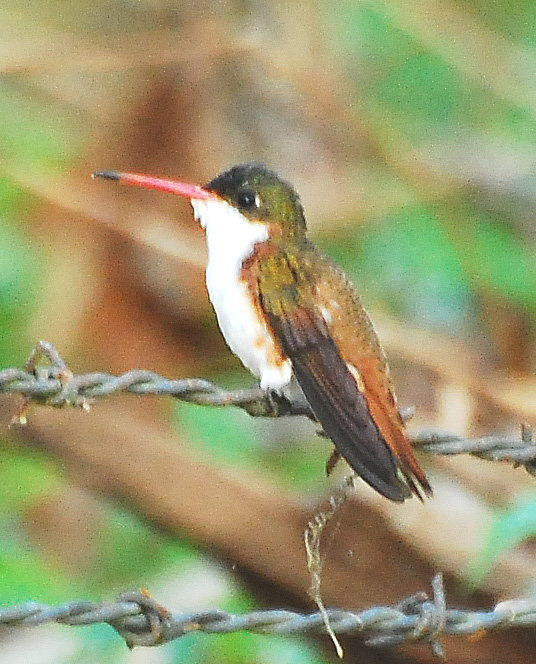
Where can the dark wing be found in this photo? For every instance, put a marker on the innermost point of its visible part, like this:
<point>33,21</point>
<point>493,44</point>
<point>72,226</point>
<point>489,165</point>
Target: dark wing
<point>286,298</point>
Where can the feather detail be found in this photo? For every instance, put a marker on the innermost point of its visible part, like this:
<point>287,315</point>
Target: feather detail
<point>346,384</point>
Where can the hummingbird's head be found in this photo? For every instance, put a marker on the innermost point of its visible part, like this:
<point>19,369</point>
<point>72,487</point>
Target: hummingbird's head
<point>260,195</point>
<point>251,192</point>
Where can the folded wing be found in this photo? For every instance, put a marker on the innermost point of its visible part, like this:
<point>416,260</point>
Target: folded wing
<point>330,384</point>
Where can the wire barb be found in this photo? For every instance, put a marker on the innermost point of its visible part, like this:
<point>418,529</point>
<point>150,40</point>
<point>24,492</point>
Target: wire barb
<point>140,621</point>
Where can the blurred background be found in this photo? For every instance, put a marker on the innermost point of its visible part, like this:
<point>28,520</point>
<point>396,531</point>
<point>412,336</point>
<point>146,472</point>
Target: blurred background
<point>409,129</point>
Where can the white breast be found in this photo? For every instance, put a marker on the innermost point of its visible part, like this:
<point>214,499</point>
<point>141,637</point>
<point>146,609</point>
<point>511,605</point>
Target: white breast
<point>230,239</point>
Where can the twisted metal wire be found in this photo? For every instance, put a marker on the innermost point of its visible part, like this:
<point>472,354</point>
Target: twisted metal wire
<point>55,385</point>
<point>521,451</point>
<point>142,622</point>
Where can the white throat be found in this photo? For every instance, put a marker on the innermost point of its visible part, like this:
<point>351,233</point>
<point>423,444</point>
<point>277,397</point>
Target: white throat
<point>231,238</point>
<point>229,232</point>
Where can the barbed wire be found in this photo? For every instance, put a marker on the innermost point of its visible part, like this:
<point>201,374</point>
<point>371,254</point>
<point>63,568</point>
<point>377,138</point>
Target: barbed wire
<point>521,451</point>
<point>55,385</point>
<point>140,621</point>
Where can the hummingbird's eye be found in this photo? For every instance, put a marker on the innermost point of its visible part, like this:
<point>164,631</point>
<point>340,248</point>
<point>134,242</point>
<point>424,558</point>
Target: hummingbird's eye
<point>248,200</point>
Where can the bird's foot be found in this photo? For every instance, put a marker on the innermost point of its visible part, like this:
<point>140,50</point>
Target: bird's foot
<point>334,458</point>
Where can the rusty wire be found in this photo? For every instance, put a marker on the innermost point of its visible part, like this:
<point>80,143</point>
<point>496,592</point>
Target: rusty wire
<point>55,385</point>
<point>142,622</point>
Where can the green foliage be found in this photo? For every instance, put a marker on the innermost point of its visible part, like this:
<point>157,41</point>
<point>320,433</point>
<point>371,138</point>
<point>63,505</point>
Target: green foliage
<point>508,529</point>
<point>514,20</point>
<point>495,260</point>
<point>246,648</point>
<point>31,133</point>
<point>15,288</point>
<point>225,433</point>
<point>26,478</point>
<point>297,457</point>
<point>408,262</point>
<point>33,137</point>
<point>427,262</point>
<point>11,199</point>
<point>131,554</point>
<point>24,575</point>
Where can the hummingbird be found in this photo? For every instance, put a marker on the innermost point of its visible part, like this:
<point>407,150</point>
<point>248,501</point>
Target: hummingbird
<point>291,315</point>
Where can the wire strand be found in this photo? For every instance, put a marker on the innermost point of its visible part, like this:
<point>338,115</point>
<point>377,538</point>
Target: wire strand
<point>56,386</point>
<point>142,622</point>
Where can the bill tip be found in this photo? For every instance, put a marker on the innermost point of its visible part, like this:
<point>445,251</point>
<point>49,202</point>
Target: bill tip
<point>107,175</point>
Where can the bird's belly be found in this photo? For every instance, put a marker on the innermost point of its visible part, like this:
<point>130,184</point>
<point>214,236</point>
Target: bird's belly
<point>246,334</point>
